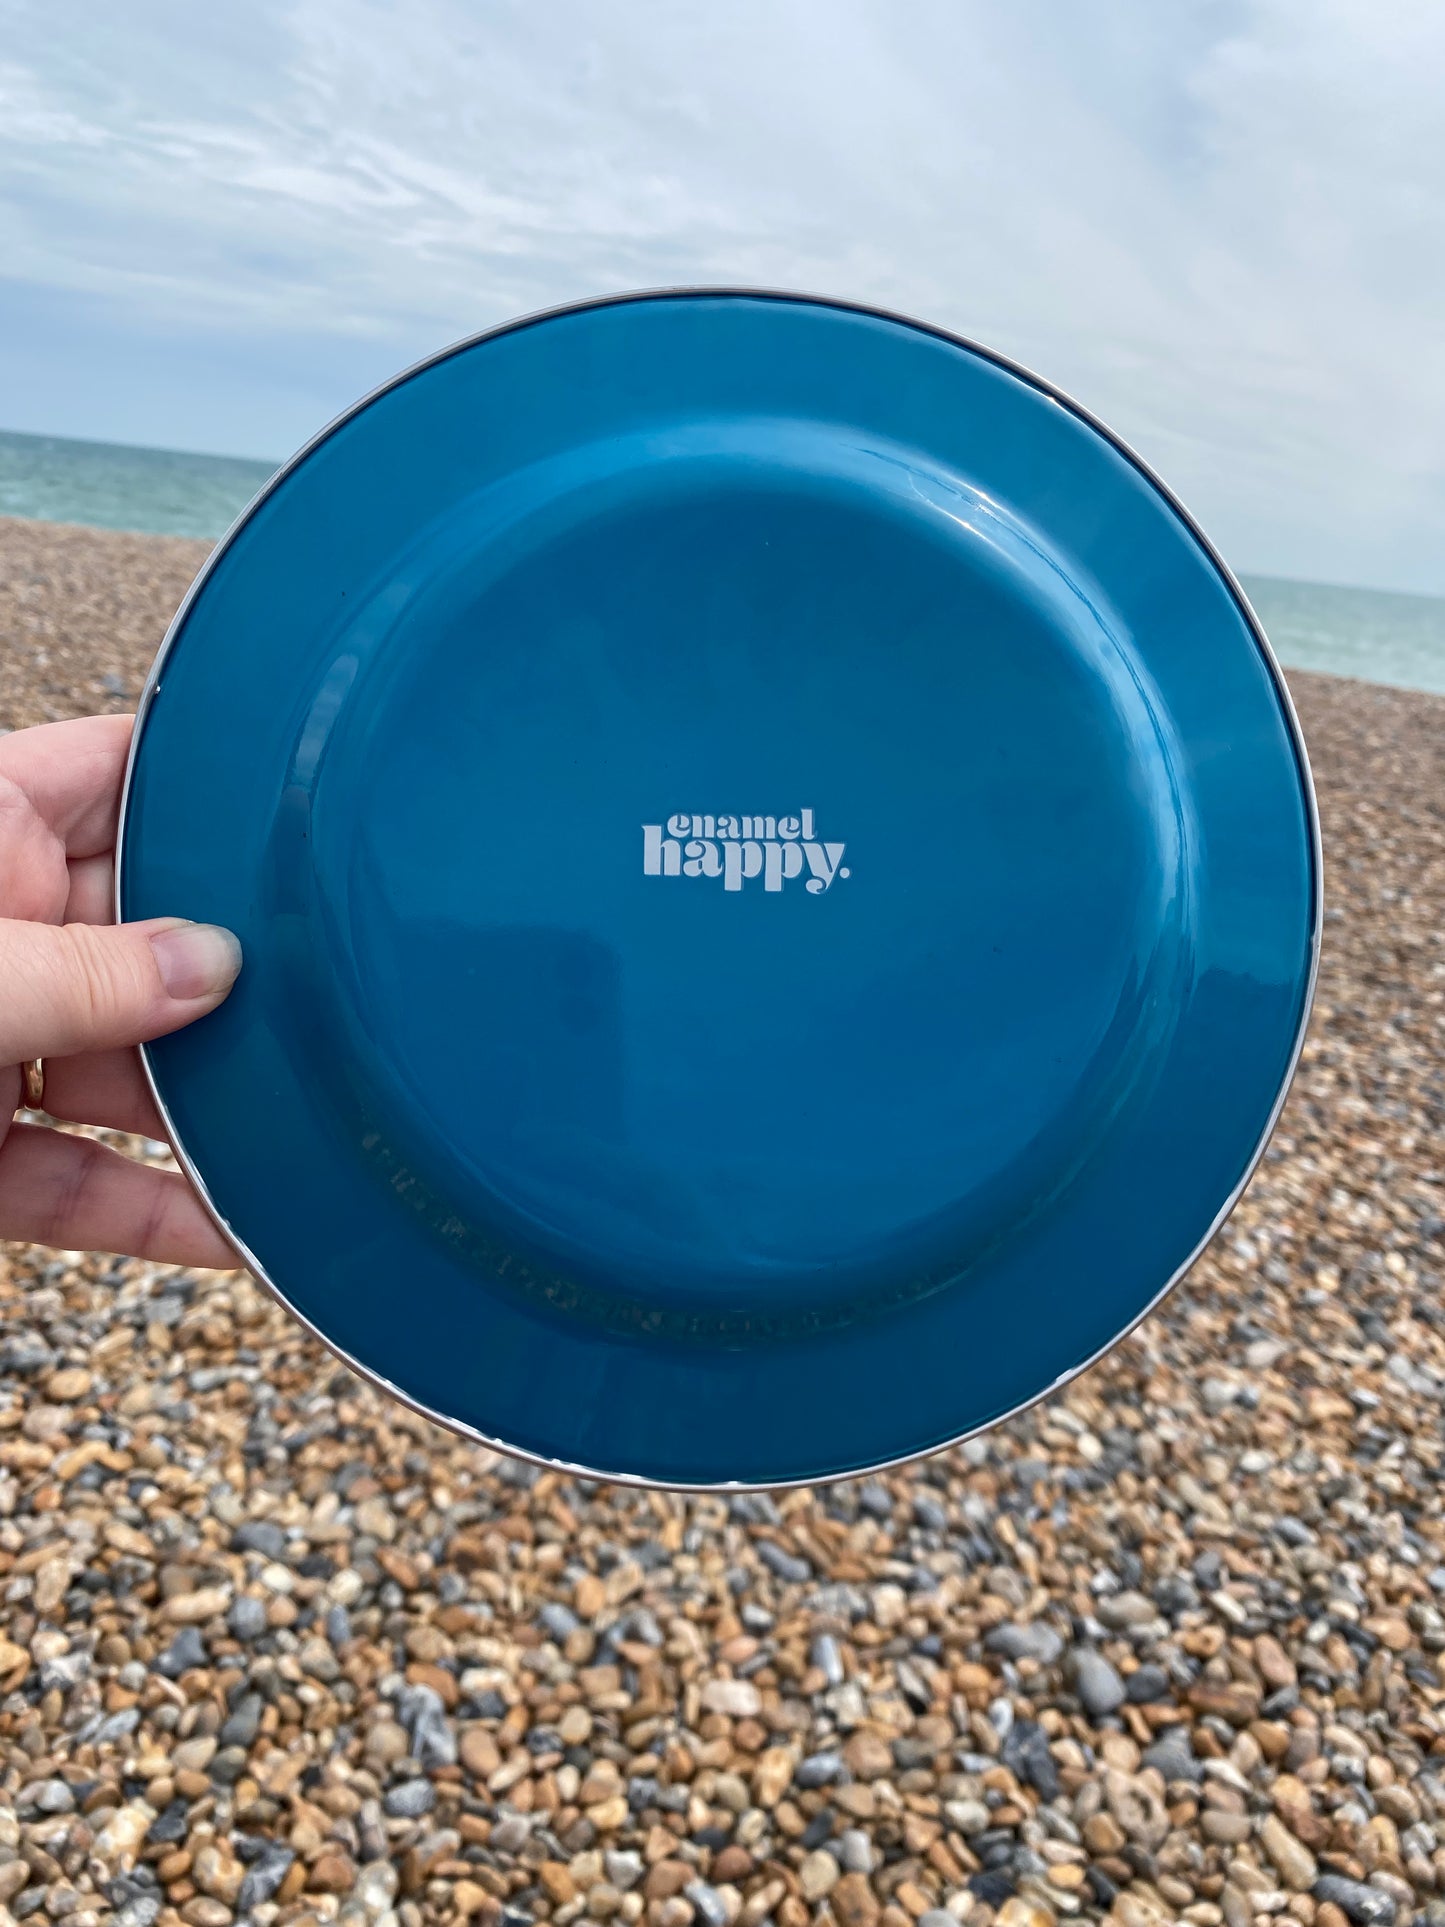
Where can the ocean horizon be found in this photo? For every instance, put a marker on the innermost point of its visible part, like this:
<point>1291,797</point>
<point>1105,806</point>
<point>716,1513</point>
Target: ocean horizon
<point>1377,635</point>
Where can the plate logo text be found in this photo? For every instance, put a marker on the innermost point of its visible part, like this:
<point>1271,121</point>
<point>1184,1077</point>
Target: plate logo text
<point>741,849</point>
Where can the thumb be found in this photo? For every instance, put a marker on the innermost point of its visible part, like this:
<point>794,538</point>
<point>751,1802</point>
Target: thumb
<point>72,987</point>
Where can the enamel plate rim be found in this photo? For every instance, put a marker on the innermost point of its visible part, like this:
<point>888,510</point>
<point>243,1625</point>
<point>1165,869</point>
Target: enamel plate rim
<point>458,1427</point>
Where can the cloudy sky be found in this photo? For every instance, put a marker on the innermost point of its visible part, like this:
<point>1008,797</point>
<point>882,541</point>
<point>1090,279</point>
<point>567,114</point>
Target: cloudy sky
<point>1219,223</point>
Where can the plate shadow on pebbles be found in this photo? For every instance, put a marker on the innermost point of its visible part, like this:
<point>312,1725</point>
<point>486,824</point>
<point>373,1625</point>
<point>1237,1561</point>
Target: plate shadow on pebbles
<point>1171,1647</point>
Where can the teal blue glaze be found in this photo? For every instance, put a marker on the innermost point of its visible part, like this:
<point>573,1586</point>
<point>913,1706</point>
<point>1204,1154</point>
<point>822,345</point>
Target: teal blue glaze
<point>639,1172</point>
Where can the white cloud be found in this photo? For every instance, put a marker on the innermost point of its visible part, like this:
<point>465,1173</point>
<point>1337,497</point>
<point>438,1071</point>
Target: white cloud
<point>1220,224</point>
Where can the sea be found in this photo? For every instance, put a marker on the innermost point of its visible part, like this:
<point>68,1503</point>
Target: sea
<point>1375,634</point>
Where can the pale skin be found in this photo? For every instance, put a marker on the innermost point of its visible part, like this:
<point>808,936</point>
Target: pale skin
<point>80,992</point>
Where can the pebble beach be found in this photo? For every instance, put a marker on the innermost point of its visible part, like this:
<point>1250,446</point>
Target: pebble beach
<point>1169,1648</point>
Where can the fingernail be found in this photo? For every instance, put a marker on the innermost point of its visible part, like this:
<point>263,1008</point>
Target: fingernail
<point>196,959</point>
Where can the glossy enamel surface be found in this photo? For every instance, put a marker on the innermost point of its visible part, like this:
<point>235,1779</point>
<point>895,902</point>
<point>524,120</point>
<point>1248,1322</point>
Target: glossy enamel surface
<point>814,1157</point>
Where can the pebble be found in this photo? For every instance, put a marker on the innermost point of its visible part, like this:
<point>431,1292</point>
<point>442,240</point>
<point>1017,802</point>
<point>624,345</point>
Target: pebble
<point>1019,1911</point>
<point>45,1796</point>
<point>186,1652</point>
<point>1166,1648</point>
<point>854,1903</point>
<point>1034,1641</point>
<point>1137,1807</point>
<point>788,1567</point>
<point>259,1535</point>
<point>819,1769</point>
<point>855,1851</point>
<point>423,1714</point>
<point>624,1870</point>
<point>246,1620</point>
<point>375,1888</point>
<point>558,1621</point>
<point>1173,1759</point>
<point>510,1834</point>
<point>14,1874</point>
<point>410,1800</point>
<point>1124,1609</point>
<point>142,1911</point>
<point>824,1654</point>
<point>1097,1683</point>
<point>243,1722</point>
<point>818,1874</point>
<point>710,1905</point>
<point>194,1608</point>
<point>120,1838</point>
<point>1147,1684</point>
<point>194,1756</point>
<point>265,1875</point>
<point>1365,1905</point>
<point>738,1698</point>
<point>1296,1864</point>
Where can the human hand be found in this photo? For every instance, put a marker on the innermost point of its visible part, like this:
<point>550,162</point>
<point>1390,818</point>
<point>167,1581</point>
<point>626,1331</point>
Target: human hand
<point>79,992</point>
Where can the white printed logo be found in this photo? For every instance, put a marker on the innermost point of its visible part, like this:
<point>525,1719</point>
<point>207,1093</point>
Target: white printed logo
<point>739,848</point>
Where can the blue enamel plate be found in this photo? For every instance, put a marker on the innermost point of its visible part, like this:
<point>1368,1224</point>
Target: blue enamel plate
<point>778,879</point>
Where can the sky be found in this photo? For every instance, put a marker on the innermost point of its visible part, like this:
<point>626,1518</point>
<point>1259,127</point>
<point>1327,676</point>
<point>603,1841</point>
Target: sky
<point>1219,224</point>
